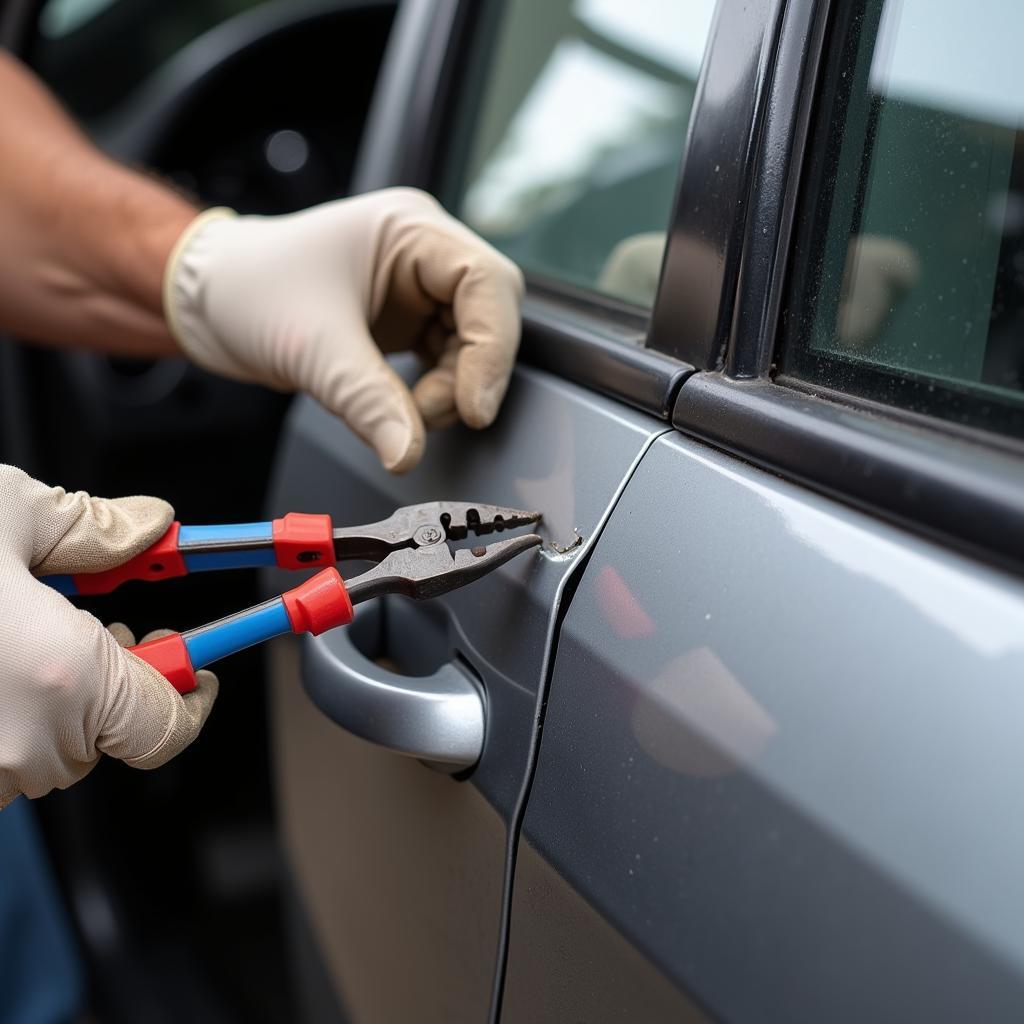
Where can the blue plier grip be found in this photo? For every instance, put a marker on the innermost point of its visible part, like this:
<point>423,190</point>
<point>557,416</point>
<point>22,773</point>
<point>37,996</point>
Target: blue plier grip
<point>320,603</point>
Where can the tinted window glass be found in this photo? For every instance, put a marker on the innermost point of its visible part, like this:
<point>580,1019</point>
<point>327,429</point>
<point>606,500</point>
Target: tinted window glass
<point>910,282</point>
<point>574,125</point>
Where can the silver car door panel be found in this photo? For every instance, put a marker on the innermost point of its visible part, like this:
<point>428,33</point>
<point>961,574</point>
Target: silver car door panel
<point>780,772</point>
<point>401,867</point>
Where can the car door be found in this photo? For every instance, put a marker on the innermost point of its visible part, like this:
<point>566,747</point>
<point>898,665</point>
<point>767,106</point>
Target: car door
<point>401,871</point>
<point>781,759</point>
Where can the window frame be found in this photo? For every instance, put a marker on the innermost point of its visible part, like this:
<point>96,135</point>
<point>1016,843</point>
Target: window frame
<point>931,397</point>
<point>693,313</point>
<point>950,482</point>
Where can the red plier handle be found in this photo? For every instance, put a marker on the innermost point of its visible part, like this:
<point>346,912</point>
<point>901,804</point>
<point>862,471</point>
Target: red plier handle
<point>296,541</point>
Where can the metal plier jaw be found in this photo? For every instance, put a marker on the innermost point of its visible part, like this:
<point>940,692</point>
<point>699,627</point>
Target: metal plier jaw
<point>412,545</point>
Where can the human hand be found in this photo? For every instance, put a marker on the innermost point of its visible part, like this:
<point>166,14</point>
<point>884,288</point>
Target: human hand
<point>69,692</point>
<point>313,301</point>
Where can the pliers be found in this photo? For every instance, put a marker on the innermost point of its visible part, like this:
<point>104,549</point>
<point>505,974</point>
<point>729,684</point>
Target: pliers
<point>410,547</point>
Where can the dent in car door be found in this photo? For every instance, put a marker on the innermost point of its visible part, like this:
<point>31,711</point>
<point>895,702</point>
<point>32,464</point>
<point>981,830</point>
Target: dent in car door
<point>780,768</point>
<point>399,867</point>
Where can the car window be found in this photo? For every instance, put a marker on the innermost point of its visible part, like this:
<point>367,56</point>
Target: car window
<point>572,128</point>
<point>94,52</point>
<point>909,281</point>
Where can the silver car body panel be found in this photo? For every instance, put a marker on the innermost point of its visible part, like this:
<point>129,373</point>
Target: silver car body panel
<point>379,891</point>
<point>782,763</point>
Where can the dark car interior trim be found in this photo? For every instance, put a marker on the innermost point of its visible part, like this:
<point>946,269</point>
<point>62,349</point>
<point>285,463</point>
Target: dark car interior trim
<point>160,105</point>
<point>17,19</point>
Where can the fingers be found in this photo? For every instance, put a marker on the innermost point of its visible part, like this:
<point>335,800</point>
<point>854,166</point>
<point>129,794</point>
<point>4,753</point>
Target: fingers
<point>457,268</point>
<point>149,722</point>
<point>434,392</point>
<point>487,319</point>
<point>192,710</point>
<point>358,385</point>
<point>485,290</point>
<point>122,634</point>
<point>74,532</point>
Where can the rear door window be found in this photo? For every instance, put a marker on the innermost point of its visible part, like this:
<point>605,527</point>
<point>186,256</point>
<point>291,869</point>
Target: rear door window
<point>910,276</point>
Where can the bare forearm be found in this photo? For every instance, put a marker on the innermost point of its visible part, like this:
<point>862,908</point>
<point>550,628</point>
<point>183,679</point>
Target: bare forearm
<point>83,240</point>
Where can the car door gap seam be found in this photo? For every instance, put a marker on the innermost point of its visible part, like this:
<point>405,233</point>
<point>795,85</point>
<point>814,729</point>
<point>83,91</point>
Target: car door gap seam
<point>565,593</point>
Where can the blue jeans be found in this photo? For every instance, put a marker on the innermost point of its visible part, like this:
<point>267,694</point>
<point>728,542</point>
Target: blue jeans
<point>40,975</point>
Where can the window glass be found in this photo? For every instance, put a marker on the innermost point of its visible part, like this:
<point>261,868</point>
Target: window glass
<point>94,52</point>
<point>574,125</point>
<point>909,283</point>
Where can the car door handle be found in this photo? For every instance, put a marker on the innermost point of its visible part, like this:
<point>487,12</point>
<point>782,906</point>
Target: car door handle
<point>438,718</point>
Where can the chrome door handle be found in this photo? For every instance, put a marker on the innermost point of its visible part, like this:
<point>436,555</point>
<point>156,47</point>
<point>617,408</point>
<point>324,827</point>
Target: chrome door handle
<point>438,718</point>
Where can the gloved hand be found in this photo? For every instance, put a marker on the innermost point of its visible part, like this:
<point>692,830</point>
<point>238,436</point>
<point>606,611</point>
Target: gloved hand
<point>310,301</point>
<point>68,692</point>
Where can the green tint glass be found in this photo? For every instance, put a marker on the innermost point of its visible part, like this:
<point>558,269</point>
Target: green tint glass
<point>573,124</point>
<point>909,281</point>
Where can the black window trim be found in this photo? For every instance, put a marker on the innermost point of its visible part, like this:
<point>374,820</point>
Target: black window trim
<point>966,495</point>
<point>599,351</point>
<point>954,484</point>
<point>695,304</point>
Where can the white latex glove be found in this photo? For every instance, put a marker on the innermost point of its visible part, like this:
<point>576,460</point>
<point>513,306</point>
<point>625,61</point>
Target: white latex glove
<point>68,692</point>
<point>312,300</point>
